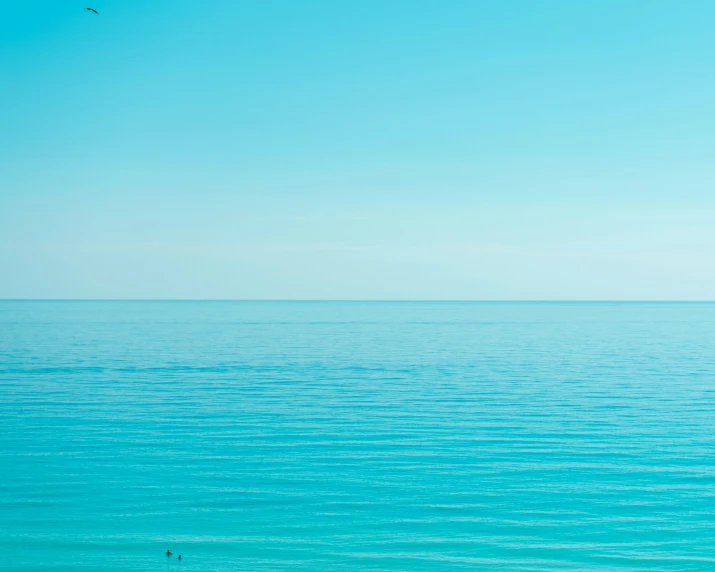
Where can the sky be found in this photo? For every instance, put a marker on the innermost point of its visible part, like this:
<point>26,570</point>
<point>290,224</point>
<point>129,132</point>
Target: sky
<point>371,149</point>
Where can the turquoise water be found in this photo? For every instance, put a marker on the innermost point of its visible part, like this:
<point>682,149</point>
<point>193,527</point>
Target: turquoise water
<point>357,436</point>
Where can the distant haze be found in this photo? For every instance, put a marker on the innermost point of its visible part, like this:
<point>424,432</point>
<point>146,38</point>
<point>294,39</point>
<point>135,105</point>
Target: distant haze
<point>383,149</point>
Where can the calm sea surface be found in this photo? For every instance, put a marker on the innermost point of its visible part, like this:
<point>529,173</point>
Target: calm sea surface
<point>356,436</point>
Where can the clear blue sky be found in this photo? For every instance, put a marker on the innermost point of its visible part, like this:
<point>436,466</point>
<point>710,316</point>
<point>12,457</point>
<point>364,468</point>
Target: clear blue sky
<point>502,149</point>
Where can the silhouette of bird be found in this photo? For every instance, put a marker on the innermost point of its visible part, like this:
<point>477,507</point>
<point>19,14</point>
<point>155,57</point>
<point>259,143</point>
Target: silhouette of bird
<point>92,10</point>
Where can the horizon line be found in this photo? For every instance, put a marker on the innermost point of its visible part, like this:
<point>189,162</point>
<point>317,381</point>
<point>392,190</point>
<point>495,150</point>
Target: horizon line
<point>376,300</point>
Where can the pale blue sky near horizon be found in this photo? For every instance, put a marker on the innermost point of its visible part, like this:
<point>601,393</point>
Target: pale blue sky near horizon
<point>318,149</point>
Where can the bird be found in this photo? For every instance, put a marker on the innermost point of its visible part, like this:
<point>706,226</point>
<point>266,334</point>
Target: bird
<point>92,10</point>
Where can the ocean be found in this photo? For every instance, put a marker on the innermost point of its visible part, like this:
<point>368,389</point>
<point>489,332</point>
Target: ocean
<point>357,436</point>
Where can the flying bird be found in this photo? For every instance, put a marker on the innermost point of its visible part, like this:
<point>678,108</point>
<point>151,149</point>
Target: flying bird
<point>92,10</point>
